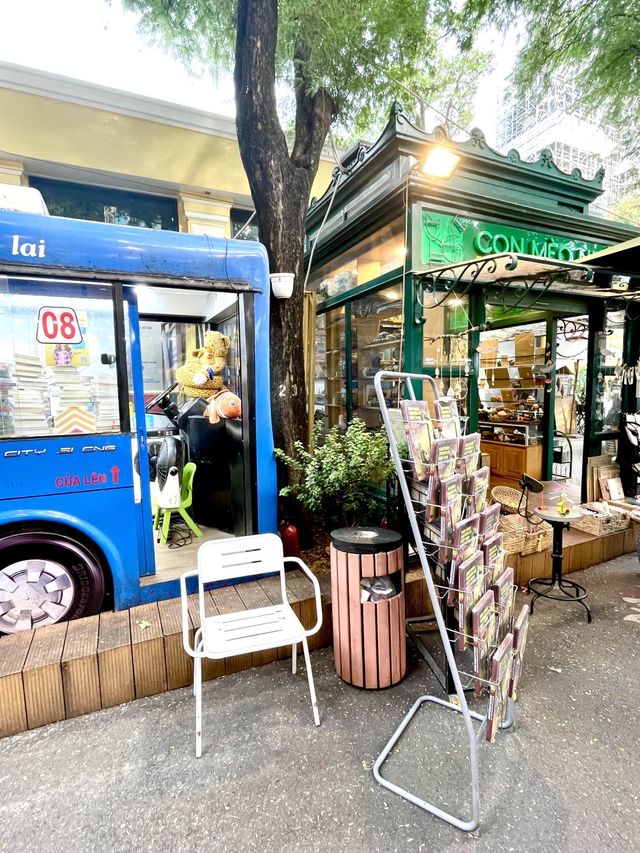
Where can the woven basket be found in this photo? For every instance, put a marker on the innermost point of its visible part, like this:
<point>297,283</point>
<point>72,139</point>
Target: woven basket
<point>508,498</point>
<point>602,525</point>
<point>521,536</point>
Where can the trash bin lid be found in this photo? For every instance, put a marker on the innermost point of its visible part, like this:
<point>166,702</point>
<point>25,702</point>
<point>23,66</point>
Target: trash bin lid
<point>365,540</point>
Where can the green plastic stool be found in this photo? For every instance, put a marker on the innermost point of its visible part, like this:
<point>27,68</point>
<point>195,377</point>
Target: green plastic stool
<point>186,499</point>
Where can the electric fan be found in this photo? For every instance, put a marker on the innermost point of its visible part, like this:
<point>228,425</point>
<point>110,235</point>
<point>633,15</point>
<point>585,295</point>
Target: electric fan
<point>165,471</point>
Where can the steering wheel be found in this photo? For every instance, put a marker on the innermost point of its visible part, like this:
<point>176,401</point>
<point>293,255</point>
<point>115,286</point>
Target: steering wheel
<point>156,400</point>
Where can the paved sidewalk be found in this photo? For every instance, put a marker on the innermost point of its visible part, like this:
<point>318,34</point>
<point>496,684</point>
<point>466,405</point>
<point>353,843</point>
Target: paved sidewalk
<point>566,779</point>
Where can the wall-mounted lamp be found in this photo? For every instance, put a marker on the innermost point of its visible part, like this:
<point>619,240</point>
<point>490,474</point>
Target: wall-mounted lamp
<point>282,284</point>
<point>440,162</point>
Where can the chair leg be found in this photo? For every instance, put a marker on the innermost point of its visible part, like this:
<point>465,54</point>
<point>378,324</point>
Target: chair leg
<point>166,521</point>
<point>156,518</point>
<point>190,522</point>
<point>312,689</point>
<point>197,686</point>
<point>294,658</point>
<point>197,646</point>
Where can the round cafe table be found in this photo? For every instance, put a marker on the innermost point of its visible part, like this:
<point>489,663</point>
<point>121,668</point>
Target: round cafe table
<point>556,587</point>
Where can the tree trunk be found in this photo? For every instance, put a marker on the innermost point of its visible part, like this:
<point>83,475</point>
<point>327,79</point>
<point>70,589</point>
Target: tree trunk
<point>280,186</point>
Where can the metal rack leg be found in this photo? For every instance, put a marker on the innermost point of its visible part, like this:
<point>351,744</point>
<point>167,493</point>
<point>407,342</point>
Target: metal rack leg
<point>465,825</point>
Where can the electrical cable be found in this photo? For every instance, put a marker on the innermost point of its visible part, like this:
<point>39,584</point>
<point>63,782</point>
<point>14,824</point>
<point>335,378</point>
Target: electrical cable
<point>328,210</point>
<point>180,533</point>
<point>319,231</point>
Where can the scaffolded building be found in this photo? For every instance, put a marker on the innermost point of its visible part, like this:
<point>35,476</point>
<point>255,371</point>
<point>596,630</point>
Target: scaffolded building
<point>555,121</point>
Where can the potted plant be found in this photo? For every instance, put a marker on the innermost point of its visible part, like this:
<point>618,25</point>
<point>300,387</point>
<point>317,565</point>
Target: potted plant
<point>335,480</point>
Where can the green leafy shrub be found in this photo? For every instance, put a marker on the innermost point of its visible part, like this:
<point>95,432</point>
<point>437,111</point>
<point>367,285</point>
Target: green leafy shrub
<point>334,479</point>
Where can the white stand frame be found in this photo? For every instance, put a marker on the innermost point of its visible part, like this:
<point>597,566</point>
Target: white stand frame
<point>473,735</point>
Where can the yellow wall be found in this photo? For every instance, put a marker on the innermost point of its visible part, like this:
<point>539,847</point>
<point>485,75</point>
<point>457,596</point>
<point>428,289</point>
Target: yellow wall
<point>85,137</point>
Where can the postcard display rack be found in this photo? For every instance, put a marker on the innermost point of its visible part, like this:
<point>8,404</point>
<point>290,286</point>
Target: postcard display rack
<point>472,592</point>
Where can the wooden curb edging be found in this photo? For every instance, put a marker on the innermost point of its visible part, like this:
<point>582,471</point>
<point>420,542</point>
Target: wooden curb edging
<point>74,668</point>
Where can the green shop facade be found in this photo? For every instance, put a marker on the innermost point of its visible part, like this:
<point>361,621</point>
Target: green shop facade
<point>535,369</point>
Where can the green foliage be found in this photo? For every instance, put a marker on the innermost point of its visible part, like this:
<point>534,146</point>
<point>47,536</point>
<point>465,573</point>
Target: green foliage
<point>362,54</point>
<point>442,80</point>
<point>595,43</point>
<point>628,210</point>
<point>334,479</point>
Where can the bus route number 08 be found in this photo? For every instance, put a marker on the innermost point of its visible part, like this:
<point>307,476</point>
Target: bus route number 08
<point>58,326</point>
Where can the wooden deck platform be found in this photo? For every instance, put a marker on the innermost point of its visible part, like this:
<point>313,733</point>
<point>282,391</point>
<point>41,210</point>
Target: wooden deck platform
<point>73,668</point>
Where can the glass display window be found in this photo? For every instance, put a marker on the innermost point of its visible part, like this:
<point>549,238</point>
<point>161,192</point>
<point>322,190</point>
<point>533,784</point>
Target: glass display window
<point>331,369</point>
<point>380,253</point>
<point>445,347</point>
<point>57,359</point>
<point>376,343</point>
<point>445,339</point>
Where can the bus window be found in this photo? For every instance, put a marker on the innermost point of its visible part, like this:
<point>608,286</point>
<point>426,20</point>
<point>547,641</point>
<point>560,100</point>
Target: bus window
<point>57,359</point>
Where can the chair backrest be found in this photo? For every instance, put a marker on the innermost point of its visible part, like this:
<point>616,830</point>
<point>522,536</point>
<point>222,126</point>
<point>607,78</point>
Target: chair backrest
<point>239,557</point>
<point>186,487</point>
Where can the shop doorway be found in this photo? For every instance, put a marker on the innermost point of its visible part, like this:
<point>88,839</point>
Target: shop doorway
<point>571,361</point>
<point>513,400</point>
<point>532,390</point>
<point>550,395</point>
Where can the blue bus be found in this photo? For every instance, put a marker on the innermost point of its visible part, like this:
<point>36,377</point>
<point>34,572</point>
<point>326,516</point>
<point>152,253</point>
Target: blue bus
<point>94,320</point>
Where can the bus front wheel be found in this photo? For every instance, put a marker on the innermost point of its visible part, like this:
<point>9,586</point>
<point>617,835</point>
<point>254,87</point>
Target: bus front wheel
<point>46,578</point>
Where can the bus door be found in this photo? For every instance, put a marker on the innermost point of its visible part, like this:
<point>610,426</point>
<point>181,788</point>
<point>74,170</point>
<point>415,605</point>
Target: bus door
<point>70,519</point>
<point>139,439</point>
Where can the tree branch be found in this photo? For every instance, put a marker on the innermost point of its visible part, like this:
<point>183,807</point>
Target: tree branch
<point>314,114</point>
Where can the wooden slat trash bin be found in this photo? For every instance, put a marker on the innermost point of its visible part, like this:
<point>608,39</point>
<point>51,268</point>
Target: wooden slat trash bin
<point>369,643</point>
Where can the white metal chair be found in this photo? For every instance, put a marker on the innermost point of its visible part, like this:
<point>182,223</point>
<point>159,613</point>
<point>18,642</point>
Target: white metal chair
<point>249,630</point>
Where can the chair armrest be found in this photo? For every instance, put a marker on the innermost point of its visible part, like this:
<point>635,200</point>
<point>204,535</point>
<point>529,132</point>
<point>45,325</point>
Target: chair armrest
<point>316,590</point>
<point>185,612</point>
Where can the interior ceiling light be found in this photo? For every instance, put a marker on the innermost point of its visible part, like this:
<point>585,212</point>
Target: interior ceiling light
<point>440,162</point>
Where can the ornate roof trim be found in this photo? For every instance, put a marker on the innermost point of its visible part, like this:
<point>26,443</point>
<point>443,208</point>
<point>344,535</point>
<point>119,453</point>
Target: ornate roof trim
<point>476,153</point>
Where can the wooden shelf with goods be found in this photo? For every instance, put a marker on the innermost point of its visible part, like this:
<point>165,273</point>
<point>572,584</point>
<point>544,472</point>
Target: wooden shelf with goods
<point>517,431</point>
<point>529,348</point>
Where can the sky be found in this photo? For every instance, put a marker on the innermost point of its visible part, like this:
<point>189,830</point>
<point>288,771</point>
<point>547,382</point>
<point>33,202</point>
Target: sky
<point>96,41</point>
